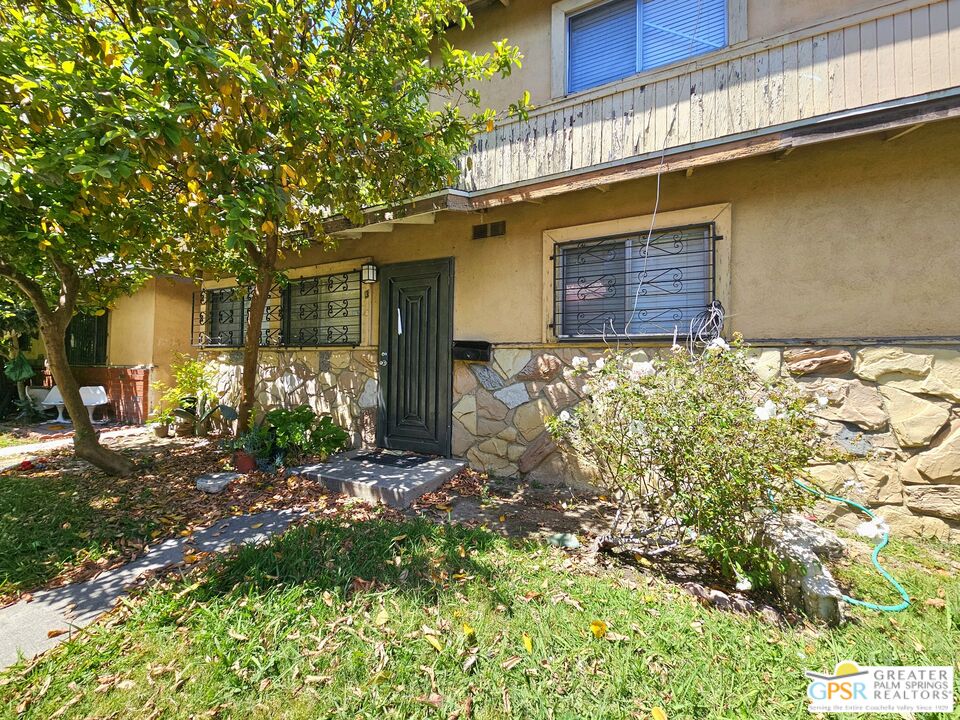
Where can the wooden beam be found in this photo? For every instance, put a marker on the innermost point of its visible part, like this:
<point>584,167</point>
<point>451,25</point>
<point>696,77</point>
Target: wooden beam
<point>777,157</point>
<point>426,219</point>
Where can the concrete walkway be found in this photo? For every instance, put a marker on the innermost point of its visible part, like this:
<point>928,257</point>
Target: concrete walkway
<point>25,626</point>
<point>48,445</point>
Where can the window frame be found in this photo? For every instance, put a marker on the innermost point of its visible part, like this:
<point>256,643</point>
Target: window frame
<point>276,327</point>
<point>101,339</point>
<point>627,240</point>
<point>563,10</point>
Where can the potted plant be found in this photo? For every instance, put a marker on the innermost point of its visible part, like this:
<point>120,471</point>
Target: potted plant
<point>249,447</point>
<point>196,411</point>
<point>162,420</point>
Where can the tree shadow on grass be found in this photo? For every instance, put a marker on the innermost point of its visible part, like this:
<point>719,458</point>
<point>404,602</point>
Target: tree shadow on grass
<point>347,557</point>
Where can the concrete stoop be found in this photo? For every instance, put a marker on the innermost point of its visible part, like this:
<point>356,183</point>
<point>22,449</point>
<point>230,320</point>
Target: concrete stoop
<point>394,486</point>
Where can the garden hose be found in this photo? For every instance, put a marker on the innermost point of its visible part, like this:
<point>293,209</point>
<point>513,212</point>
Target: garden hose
<point>874,556</point>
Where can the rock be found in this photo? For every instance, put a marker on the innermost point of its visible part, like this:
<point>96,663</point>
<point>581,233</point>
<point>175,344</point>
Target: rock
<point>529,418</point>
<point>903,523</point>
<point>939,500</point>
<point>509,361</point>
<point>536,452</point>
<point>849,401</point>
<point>215,482</point>
<point>494,446</point>
<point>542,368</point>
<point>464,381</point>
<point>489,407</point>
<point>513,395</point>
<point>564,540</point>
<point>880,484</point>
<point>765,362</point>
<point>802,579</point>
<point>941,463</point>
<point>915,421</point>
<point>462,439</point>
<point>340,359</point>
<point>368,398</point>
<point>875,362</point>
<point>466,412</point>
<point>490,428</point>
<point>515,452</point>
<point>509,434</point>
<point>560,395</point>
<point>487,377</point>
<point>826,361</point>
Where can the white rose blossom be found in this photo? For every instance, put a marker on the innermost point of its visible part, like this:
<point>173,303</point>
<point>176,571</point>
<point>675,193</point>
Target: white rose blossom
<point>580,363</point>
<point>766,411</point>
<point>717,344</point>
<point>641,369</point>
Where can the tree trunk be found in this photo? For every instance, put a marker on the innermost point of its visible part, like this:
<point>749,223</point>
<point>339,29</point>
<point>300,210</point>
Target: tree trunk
<point>86,444</point>
<point>251,348</point>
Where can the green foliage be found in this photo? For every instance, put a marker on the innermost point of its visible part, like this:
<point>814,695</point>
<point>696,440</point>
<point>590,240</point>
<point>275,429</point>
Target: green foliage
<point>257,441</point>
<point>694,447</point>
<point>301,433</point>
<point>192,396</point>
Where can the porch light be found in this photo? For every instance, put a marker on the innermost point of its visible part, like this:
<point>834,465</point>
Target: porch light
<point>368,273</point>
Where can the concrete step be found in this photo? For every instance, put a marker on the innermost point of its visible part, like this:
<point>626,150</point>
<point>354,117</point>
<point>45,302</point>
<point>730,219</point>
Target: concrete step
<point>393,486</point>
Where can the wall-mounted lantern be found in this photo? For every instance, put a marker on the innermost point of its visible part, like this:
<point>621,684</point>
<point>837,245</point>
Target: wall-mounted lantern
<point>368,273</point>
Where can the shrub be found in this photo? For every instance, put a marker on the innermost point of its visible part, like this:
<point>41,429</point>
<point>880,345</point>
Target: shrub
<point>694,448</point>
<point>300,433</point>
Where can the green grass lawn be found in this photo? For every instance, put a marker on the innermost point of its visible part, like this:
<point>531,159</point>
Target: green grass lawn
<point>54,523</point>
<point>381,619</point>
<point>9,440</point>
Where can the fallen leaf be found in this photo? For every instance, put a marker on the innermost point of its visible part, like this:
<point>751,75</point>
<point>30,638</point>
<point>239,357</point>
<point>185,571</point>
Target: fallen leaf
<point>470,632</point>
<point>126,685</point>
<point>657,713</point>
<point>598,628</point>
<point>315,679</point>
<point>256,526</point>
<point>469,662</point>
<point>434,699</point>
<point>935,602</point>
<point>434,643</point>
<point>510,662</point>
<point>615,637</point>
<point>383,617</point>
<point>528,643</point>
<point>56,633</point>
<point>237,636</point>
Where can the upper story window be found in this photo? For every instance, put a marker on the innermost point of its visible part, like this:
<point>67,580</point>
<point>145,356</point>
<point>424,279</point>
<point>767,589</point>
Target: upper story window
<point>622,37</point>
<point>634,285</point>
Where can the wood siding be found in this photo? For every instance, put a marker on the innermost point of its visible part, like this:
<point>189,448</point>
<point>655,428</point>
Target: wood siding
<point>908,53</point>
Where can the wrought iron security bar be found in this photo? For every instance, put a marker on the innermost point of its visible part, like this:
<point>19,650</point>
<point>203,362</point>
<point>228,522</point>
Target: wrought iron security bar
<point>304,312</point>
<point>633,285</point>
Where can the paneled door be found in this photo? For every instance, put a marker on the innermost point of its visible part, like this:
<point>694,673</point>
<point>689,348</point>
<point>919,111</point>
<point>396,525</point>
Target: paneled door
<point>416,331</point>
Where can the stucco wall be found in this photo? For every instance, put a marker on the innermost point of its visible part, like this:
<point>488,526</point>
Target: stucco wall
<point>527,25</point>
<point>130,332</point>
<point>846,239</point>
<point>172,321</point>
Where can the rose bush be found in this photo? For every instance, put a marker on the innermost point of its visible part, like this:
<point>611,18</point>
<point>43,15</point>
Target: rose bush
<point>695,448</point>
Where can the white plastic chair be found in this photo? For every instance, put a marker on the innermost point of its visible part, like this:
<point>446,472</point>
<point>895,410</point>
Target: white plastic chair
<point>93,396</point>
<point>54,398</point>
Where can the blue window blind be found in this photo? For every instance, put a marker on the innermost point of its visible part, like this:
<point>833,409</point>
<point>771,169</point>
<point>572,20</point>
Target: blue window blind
<point>676,29</point>
<point>604,44</point>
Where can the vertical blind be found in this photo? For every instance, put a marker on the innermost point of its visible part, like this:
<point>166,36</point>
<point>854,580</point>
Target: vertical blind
<point>619,38</point>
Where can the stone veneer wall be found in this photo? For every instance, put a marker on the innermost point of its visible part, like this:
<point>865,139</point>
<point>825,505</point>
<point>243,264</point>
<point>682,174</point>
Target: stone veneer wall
<point>340,383</point>
<point>893,411</point>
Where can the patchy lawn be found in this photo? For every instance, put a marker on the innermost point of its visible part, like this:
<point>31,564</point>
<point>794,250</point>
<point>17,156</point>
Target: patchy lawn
<point>12,439</point>
<point>368,617</point>
<point>67,521</point>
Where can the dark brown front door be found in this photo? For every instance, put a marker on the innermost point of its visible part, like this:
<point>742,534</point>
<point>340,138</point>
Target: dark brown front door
<point>416,330</point>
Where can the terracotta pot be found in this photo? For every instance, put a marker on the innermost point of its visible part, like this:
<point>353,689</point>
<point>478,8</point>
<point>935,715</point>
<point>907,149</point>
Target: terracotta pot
<point>243,461</point>
<point>184,429</point>
<point>161,431</point>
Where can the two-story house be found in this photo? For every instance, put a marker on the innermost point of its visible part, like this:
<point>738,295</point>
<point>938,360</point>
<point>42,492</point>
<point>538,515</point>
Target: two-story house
<point>795,165</point>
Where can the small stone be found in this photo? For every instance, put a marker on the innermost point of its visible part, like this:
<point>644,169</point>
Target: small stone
<point>873,363</point>
<point>513,395</point>
<point>487,376</point>
<point>941,463</point>
<point>215,482</point>
<point>494,446</point>
<point>541,368</point>
<point>489,407</point>
<point>464,381</point>
<point>462,439</point>
<point>368,398</point>
<point>529,419</point>
<point>560,395</point>
<point>826,361</point>
<point>880,484</point>
<point>915,421</point>
<point>939,500</point>
<point>765,362</point>
<point>564,540</point>
<point>848,401</point>
<point>903,523</point>
<point>509,361</point>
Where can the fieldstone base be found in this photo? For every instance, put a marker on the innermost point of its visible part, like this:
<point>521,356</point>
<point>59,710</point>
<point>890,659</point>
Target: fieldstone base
<point>215,482</point>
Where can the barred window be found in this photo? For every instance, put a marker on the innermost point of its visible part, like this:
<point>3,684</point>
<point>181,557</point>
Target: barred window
<point>632,285</point>
<point>87,340</point>
<point>306,312</point>
<point>323,311</point>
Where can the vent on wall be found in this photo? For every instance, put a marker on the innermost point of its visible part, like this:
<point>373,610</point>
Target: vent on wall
<point>489,230</point>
